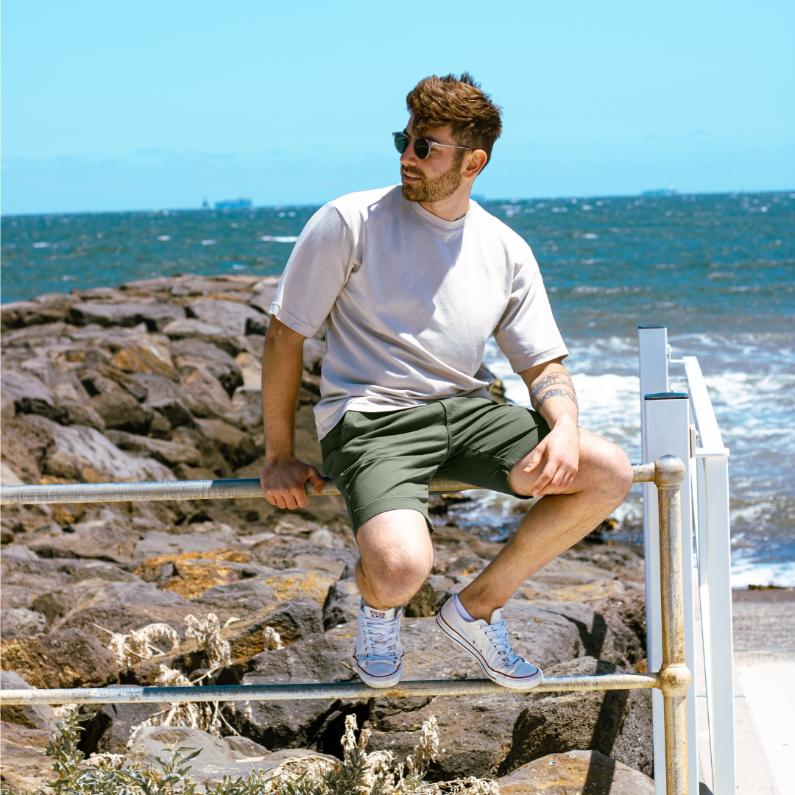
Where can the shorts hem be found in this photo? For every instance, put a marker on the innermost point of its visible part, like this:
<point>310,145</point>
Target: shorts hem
<point>508,462</point>
<point>366,512</point>
<point>515,454</point>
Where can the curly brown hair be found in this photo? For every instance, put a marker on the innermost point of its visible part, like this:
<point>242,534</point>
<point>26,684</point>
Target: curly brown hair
<point>458,101</point>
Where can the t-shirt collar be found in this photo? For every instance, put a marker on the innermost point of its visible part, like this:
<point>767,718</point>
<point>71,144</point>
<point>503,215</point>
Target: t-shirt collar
<point>428,216</point>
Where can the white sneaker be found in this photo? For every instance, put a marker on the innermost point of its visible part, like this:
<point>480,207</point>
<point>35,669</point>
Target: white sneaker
<point>488,643</point>
<point>379,655</point>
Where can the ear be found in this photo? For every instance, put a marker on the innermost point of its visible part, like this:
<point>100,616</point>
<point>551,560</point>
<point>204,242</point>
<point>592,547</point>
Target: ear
<point>475,163</point>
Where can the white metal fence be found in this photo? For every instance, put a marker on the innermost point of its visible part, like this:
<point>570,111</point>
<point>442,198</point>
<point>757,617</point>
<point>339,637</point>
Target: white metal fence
<point>683,424</point>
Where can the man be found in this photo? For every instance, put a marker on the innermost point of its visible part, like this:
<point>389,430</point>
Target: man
<point>410,282</point>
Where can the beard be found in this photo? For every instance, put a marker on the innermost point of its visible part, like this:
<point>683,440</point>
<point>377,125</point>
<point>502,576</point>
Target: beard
<point>434,189</point>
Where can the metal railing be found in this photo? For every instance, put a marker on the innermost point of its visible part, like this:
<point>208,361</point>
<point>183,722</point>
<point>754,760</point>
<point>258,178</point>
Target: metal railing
<point>672,679</point>
<point>683,424</point>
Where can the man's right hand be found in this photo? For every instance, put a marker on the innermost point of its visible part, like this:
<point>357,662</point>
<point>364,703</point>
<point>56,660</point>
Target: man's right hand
<point>284,480</point>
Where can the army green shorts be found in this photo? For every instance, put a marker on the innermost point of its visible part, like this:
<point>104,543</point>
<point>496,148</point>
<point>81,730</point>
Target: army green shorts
<point>385,460</point>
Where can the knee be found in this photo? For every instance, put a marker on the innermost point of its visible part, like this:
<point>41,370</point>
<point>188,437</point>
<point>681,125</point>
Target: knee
<point>605,468</point>
<point>616,473</point>
<point>394,578</point>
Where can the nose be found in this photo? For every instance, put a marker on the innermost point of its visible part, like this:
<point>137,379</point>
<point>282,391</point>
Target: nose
<point>408,156</point>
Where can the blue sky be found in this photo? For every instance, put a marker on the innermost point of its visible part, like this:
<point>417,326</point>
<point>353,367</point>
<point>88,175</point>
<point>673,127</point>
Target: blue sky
<point>146,105</point>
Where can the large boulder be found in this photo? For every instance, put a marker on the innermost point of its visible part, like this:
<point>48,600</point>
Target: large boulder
<point>191,328</point>
<point>165,397</point>
<point>34,716</point>
<point>67,657</point>
<point>475,732</point>
<point>292,724</point>
<point>236,446</point>
<point>616,723</point>
<point>16,621</point>
<point>50,308</point>
<point>154,314</point>
<point>148,354</point>
<point>218,757</point>
<point>168,452</point>
<point>74,401</point>
<point>575,772</point>
<point>233,317</point>
<point>204,394</point>
<point>29,395</point>
<point>25,443</point>
<point>108,537</point>
<point>195,537</point>
<point>99,607</point>
<point>84,454</point>
<point>26,766</point>
<point>192,354</point>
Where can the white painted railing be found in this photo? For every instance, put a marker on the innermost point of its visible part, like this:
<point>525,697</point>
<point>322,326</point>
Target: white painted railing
<point>683,424</point>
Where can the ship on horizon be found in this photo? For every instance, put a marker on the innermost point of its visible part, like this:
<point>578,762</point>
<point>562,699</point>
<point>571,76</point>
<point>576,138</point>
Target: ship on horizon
<point>656,193</point>
<point>234,204</point>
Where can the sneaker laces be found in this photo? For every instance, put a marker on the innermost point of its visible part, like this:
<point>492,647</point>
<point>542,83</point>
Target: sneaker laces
<point>381,637</point>
<point>497,633</point>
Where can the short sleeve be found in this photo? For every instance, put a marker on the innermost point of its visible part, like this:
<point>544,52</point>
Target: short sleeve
<point>317,270</point>
<point>527,333</point>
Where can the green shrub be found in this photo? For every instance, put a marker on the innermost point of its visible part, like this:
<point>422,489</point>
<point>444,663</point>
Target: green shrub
<point>359,772</point>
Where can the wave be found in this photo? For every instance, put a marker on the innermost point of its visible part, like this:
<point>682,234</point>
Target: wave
<point>279,238</point>
<point>750,571</point>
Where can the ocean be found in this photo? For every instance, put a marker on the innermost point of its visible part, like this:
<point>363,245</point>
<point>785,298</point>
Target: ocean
<point>717,269</point>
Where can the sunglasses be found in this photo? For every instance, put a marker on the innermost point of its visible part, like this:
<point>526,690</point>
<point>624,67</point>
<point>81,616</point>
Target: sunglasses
<point>422,146</point>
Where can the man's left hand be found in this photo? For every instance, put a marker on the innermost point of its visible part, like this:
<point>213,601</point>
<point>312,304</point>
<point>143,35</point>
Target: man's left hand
<point>554,461</point>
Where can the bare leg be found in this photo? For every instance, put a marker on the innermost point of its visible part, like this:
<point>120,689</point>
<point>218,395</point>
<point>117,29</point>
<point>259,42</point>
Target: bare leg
<point>553,524</point>
<point>396,557</point>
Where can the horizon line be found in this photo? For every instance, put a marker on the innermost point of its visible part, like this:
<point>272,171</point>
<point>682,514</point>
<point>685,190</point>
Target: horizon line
<point>646,193</point>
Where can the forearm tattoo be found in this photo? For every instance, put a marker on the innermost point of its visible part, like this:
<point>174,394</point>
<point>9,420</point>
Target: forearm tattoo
<point>553,385</point>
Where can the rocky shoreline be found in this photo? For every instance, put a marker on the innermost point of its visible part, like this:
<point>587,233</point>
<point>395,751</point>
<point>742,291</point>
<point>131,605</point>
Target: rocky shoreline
<point>160,380</point>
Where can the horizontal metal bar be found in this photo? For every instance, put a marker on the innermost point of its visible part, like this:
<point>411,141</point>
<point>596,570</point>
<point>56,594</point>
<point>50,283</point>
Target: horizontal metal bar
<point>644,473</point>
<point>703,411</point>
<point>127,694</point>
<point>161,490</point>
<point>702,452</point>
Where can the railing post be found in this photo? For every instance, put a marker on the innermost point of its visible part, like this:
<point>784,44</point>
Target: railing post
<point>653,361</point>
<point>675,677</point>
<point>666,425</point>
<point>653,376</point>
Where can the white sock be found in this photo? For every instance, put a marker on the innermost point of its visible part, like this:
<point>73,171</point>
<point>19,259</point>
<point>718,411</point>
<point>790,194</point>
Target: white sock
<point>462,611</point>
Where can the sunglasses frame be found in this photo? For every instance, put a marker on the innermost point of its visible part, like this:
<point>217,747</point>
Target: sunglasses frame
<point>409,141</point>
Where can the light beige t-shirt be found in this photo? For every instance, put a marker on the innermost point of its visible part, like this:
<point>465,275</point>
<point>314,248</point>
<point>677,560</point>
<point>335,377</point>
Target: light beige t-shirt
<point>409,301</point>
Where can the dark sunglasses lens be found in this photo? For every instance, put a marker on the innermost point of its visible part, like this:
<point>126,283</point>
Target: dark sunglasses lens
<point>401,141</point>
<point>422,148</point>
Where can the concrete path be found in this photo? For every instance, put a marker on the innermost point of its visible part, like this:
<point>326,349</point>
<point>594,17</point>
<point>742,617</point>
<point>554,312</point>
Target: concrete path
<point>764,658</point>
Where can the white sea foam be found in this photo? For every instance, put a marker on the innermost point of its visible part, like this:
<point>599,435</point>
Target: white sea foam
<point>751,572</point>
<point>605,394</point>
<point>164,238</point>
<point>208,242</point>
<point>596,348</point>
<point>593,289</point>
<point>590,236</point>
<point>43,244</point>
<point>279,238</point>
